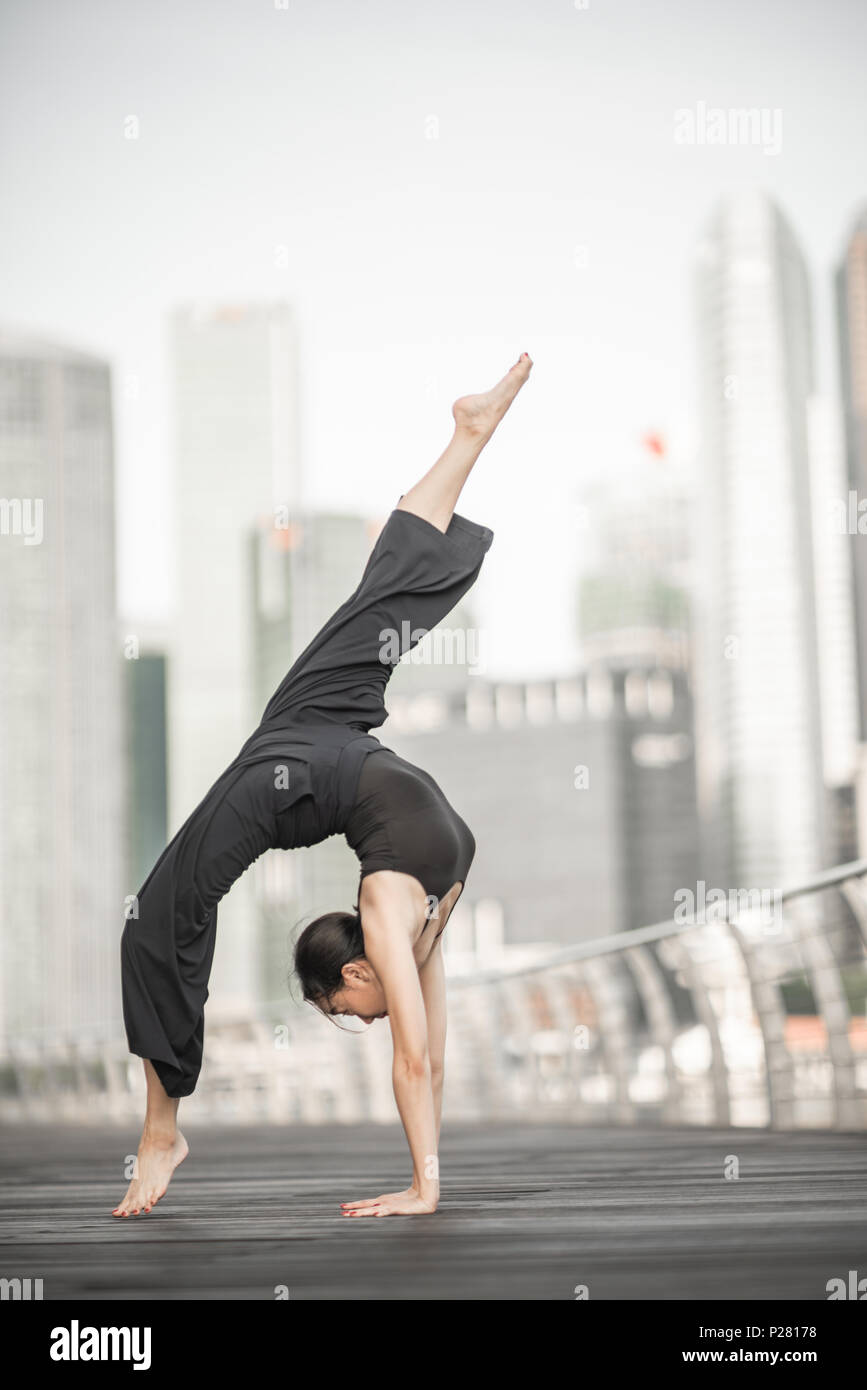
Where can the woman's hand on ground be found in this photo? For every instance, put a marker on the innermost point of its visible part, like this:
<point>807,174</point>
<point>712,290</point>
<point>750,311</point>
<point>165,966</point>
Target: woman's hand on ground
<point>408,1203</point>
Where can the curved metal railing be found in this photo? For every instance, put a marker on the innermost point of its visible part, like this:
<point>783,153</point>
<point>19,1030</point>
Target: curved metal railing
<point>699,1021</point>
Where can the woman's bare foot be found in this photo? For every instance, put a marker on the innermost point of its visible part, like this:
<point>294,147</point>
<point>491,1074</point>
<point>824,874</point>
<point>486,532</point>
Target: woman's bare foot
<point>158,1157</point>
<point>480,415</point>
<point>435,495</point>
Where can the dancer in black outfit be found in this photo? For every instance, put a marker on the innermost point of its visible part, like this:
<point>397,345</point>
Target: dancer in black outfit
<point>310,770</point>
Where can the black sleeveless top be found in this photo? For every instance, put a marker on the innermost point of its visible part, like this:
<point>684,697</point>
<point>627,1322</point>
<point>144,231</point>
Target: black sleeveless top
<point>401,820</point>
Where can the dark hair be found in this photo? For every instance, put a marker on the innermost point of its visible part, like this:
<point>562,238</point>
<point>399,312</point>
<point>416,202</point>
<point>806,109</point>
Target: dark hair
<point>322,950</point>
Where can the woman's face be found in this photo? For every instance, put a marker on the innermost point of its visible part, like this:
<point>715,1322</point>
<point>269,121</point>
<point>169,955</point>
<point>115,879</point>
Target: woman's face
<point>362,996</point>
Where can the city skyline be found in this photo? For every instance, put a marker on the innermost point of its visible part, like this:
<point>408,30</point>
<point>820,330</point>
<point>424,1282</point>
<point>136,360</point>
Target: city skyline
<point>336,215</point>
<point>239,446</point>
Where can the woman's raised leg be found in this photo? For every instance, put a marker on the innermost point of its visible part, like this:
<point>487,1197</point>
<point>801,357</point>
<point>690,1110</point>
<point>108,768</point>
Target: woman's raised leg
<point>161,1149</point>
<point>342,673</point>
<point>435,495</point>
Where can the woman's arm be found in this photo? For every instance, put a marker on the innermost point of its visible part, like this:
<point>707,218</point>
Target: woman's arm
<point>388,948</point>
<point>433,988</point>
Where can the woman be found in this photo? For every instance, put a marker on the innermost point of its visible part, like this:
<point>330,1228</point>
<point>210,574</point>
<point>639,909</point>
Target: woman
<point>304,774</point>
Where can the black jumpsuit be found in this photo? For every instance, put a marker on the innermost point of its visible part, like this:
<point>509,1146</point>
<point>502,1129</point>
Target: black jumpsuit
<point>295,782</point>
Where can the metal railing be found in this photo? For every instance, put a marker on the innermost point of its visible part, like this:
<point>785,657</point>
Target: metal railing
<point>686,1021</point>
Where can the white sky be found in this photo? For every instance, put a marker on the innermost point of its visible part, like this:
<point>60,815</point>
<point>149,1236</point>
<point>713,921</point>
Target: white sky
<point>419,268</point>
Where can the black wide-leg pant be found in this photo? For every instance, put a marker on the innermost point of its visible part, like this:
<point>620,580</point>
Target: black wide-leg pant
<point>414,577</point>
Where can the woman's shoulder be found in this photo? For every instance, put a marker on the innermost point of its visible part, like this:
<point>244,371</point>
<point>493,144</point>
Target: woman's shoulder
<point>390,895</point>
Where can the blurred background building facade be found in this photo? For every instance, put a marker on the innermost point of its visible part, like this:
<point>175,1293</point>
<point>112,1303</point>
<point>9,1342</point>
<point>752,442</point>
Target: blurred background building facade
<point>62,727</point>
<point>851,298</point>
<point>146,675</point>
<point>593,782</point>
<point>234,372</point>
<point>301,571</point>
<point>759,724</point>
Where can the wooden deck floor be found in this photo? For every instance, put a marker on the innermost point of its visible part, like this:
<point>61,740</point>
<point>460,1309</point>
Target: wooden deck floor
<point>526,1213</point>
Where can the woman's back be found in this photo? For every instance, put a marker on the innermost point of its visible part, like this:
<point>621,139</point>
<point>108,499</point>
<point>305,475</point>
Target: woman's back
<point>402,821</point>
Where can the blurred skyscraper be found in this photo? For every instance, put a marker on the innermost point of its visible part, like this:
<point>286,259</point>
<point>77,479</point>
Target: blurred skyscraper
<point>838,681</point>
<point>236,461</point>
<point>851,285</point>
<point>300,574</point>
<point>147,753</point>
<point>758,724</point>
<point>62,831</point>
<point>634,593</point>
